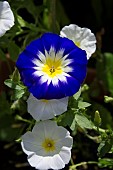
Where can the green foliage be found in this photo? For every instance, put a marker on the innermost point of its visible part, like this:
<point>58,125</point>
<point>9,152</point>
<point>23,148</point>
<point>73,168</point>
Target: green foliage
<point>88,114</point>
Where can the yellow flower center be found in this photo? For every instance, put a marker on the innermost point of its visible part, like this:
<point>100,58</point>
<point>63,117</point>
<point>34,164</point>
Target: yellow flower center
<point>77,43</point>
<point>48,145</point>
<point>52,67</point>
<point>44,100</point>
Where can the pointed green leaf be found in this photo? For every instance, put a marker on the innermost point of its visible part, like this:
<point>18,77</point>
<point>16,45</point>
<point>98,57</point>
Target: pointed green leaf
<point>83,122</point>
<point>82,105</point>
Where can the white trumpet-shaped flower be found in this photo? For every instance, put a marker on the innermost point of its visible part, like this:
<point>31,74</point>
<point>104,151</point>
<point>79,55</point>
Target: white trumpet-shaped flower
<point>6,17</point>
<point>48,146</point>
<point>82,37</point>
<point>46,109</point>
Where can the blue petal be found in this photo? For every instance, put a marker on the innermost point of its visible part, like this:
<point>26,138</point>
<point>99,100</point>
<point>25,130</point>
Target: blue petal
<point>79,72</point>
<point>25,60</point>
<point>50,40</point>
<point>28,78</point>
<point>45,91</point>
<point>71,87</point>
<point>39,90</point>
<point>54,92</point>
<point>35,46</point>
<point>67,45</point>
<point>79,56</point>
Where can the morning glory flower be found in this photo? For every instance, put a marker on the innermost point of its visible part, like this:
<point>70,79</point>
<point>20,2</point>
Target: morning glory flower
<point>6,17</point>
<point>48,146</point>
<point>52,67</point>
<point>82,37</point>
<point>46,109</point>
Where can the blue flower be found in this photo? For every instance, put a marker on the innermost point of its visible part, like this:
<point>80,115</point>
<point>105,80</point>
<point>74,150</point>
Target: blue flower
<point>52,67</point>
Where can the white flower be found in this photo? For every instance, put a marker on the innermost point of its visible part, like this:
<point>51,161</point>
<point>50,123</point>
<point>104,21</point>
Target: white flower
<point>48,146</point>
<point>6,17</point>
<point>82,37</point>
<point>46,109</point>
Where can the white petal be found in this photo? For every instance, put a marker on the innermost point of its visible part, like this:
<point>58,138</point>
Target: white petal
<point>67,142</point>
<point>42,57</point>
<point>61,133</point>
<point>65,154</point>
<point>83,36</point>
<point>38,63</point>
<point>37,157</point>
<point>44,164</point>
<point>6,17</point>
<point>47,112</point>
<point>44,127</point>
<point>26,151</point>
<point>67,69</point>
<point>59,106</point>
<point>43,110</point>
<point>57,162</point>
<point>34,160</point>
<point>31,142</point>
<point>62,77</point>
<point>59,54</point>
<point>55,80</point>
<point>52,52</point>
<point>66,62</point>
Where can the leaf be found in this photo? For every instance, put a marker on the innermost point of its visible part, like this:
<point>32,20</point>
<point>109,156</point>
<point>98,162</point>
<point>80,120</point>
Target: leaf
<point>82,105</point>
<point>73,125</point>
<point>105,162</point>
<point>83,122</point>
<point>24,23</point>
<point>104,148</point>
<point>14,85</point>
<point>66,119</point>
<point>17,94</point>
<point>77,95</point>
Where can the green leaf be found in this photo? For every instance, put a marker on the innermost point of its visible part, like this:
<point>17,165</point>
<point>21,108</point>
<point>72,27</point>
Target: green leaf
<point>83,122</point>
<point>82,105</point>
<point>104,148</point>
<point>24,23</point>
<point>73,124</point>
<point>17,94</point>
<point>66,119</point>
<point>105,162</point>
<point>14,85</point>
<point>77,95</point>
<point>16,76</point>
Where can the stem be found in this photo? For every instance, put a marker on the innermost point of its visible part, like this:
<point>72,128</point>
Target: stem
<point>100,129</point>
<point>53,15</point>
<point>72,162</point>
<point>73,167</point>
<point>22,119</point>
